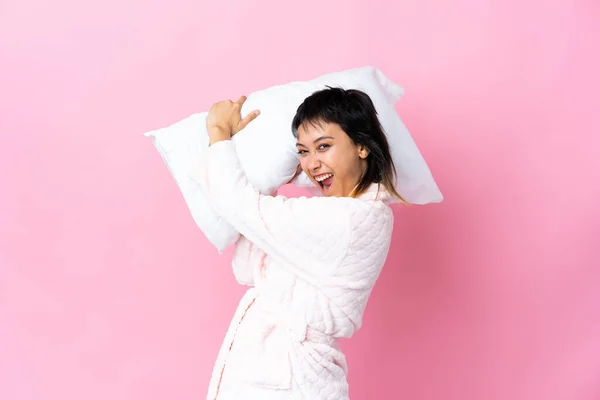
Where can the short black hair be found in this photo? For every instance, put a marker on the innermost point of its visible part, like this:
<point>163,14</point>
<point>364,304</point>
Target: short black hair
<point>354,111</point>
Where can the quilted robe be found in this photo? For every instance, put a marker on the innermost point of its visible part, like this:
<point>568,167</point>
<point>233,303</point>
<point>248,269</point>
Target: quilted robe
<point>311,264</point>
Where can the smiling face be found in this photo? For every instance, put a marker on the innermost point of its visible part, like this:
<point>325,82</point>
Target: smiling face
<point>330,158</point>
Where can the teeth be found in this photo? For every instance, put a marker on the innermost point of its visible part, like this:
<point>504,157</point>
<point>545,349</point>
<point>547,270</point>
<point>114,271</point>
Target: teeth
<point>321,178</point>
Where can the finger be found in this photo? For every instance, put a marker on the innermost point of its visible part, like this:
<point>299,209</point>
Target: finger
<point>241,100</point>
<point>249,118</point>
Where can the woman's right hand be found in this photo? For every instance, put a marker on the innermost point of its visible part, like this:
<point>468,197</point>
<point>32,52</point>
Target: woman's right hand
<point>225,120</point>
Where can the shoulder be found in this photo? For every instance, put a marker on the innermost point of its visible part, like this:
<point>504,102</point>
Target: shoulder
<point>343,208</point>
<point>349,218</point>
<point>372,220</point>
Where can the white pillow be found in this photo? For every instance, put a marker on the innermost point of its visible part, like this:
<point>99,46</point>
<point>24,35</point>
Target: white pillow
<point>414,180</point>
<point>182,145</point>
<point>266,147</point>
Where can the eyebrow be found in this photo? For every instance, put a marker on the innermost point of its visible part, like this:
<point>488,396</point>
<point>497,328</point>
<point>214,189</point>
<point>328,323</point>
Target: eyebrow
<point>316,140</point>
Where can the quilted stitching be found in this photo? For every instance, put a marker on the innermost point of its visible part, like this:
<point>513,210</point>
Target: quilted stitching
<point>314,260</point>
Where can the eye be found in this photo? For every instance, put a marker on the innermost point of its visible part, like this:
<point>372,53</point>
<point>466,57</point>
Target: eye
<point>301,152</point>
<point>323,146</point>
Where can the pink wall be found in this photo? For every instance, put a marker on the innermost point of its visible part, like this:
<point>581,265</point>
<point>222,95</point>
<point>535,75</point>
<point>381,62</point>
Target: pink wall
<point>107,289</point>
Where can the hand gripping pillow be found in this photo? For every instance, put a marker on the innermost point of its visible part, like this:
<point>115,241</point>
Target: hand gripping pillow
<point>267,152</point>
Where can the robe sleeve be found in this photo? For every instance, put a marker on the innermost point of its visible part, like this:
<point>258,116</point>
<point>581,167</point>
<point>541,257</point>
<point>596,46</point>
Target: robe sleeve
<point>309,235</point>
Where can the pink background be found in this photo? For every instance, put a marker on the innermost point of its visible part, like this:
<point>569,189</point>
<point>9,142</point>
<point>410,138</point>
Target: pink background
<point>109,291</point>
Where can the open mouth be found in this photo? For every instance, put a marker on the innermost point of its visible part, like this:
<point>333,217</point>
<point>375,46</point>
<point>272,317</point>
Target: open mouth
<point>325,181</point>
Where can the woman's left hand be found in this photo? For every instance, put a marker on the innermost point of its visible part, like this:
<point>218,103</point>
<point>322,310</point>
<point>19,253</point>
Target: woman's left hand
<point>225,119</point>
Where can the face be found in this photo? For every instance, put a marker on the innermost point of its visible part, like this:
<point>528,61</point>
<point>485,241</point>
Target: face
<point>330,158</point>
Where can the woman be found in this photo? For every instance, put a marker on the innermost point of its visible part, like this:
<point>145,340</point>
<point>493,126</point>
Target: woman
<point>312,262</point>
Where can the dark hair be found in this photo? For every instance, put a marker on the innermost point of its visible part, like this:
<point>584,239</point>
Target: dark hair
<point>355,113</point>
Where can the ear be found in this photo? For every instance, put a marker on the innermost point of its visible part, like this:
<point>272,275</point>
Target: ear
<point>363,151</point>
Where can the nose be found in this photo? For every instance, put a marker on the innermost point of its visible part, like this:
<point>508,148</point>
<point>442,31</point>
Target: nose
<point>313,163</point>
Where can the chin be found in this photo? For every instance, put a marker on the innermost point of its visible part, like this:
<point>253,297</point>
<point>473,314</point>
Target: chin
<point>331,194</point>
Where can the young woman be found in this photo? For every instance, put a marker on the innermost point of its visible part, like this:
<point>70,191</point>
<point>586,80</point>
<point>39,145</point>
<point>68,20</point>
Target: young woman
<point>311,262</point>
